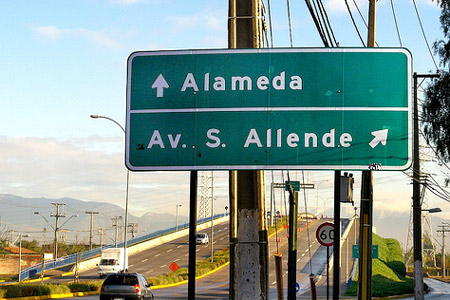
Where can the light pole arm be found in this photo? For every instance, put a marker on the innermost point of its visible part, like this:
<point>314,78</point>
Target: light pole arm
<point>37,213</point>
<point>67,221</point>
<point>108,118</point>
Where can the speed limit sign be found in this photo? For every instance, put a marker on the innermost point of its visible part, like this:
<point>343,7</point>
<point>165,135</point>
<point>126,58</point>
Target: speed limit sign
<point>325,234</point>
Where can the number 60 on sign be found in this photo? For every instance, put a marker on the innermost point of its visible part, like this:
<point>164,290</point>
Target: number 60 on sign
<point>325,234</point>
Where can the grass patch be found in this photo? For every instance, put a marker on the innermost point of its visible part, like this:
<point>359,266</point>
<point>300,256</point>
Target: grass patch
<point>388,271</point>
<point>202,267</point>
<point>27,290</point>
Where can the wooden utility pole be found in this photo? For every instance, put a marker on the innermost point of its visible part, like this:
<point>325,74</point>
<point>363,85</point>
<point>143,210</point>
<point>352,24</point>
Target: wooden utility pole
<point>365,229</point>
<point>92,213</point>
<point>444,230</point>
<point>248,228</point>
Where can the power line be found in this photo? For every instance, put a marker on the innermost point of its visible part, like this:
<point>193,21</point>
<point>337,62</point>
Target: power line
<point>424,35</point>
<point>354,23</point>
<point>289,20</point>
<point>396,24</point>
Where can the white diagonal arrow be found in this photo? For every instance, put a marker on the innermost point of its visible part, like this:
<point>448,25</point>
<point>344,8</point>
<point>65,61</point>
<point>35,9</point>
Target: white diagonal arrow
<point>160,84</point>
<point>380,137</point>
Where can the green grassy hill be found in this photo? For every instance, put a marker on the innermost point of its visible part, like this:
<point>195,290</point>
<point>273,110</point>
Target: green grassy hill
<point>388,271</point>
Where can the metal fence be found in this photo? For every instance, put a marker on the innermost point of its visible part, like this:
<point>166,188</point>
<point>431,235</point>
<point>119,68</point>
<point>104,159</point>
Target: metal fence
<point>71,259</point>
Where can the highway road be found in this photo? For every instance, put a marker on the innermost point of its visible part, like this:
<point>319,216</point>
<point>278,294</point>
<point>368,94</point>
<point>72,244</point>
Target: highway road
<point>156,261</point>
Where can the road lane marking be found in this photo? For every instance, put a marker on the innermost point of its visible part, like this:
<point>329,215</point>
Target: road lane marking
<point>163,266</point>
<point>169,250</point>
<point>144,260</point>
<point>130,266</point>
<point>180,246</point>
<point>157,254</point>
<point>274,282</point>
<point>176,260</point>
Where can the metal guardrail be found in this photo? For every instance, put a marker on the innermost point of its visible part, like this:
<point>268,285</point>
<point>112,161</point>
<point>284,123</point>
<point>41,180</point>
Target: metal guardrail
<point>71,259</point>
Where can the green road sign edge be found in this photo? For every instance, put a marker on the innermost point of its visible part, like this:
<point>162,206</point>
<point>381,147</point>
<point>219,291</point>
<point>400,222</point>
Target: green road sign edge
<point>405,51</point>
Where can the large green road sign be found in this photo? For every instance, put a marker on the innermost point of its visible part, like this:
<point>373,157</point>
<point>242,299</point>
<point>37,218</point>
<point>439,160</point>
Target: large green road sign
<point>342,108</point>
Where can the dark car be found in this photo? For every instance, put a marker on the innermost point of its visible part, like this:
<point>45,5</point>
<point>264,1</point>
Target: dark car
<point>125,286</point>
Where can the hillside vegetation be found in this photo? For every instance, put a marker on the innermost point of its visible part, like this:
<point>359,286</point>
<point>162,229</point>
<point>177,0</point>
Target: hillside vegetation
<point>388,271</point>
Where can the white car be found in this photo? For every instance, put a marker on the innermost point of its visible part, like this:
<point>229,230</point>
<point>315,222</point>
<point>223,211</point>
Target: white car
<point>202,239</point>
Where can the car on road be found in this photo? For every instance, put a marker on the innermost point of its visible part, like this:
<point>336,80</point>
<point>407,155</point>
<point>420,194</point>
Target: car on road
<point>125,286</point>
<point>202,239</point>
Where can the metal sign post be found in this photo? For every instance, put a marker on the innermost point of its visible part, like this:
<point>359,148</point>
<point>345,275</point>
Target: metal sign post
<point>325,236</point>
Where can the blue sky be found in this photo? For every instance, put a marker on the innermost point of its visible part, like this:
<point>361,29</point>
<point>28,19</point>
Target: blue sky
<point>62,61</point>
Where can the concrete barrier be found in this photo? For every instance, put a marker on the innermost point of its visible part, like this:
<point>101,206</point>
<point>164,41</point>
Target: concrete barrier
<point>92,263</point>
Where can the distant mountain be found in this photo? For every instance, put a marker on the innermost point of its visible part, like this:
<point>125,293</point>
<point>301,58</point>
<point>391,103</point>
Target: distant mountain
<point>17,214</point>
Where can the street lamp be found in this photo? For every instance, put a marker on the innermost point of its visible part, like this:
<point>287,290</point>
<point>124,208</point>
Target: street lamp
<point>55,229</point>
<point>20,253</point>
<point>176,217</point>
<point>433,210</point>
<point>126,192</point>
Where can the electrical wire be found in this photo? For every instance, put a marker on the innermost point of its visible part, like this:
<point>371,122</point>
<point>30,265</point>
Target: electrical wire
<point>396,24</point>
<point>289,20</point>
<point>316,22</point>
<point>424,35</point>
<point>360,14</point>
<point>324,15</point>
<point>354,23</point>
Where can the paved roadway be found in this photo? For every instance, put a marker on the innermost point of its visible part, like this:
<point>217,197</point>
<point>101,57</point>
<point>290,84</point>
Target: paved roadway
<point>156,261</point>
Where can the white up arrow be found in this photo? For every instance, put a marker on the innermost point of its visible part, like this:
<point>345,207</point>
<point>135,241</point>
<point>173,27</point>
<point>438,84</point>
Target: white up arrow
<point>160,84</point>
<point>380,137</point>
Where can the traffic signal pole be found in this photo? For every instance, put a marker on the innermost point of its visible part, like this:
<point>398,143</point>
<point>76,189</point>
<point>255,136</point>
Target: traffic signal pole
<point>365,231</point>
<point>248,228</point>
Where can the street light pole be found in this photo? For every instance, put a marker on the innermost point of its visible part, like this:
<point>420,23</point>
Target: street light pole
<point>176,217</point>
<point>20,254</point>
<point>126,192</point>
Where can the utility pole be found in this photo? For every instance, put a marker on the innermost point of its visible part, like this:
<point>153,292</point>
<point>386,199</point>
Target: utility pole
<point>115,224</point>
<point>92,213</point>
<point>417,203</point>
<point>248,228</point>
<point>57,215</point>
<point>366,212</point>
<point>134,227</point>
<point>444,230</point>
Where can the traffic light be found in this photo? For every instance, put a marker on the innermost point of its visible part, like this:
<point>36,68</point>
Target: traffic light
<point>347,188</point>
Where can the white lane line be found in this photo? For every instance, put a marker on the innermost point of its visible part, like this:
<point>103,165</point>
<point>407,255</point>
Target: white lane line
<point>303,254</point>
<point>186,255</point>
<point>221,239</point>
<point>144,260</point>
<point>169,250</point>
<point>130,266</point>
<point>274,282</point>
<point>197,250</point>
<point>163,266</point>
<point>176,260</point>
<point>157,254</point>
<point>298,259</point>
<point>180,246</point>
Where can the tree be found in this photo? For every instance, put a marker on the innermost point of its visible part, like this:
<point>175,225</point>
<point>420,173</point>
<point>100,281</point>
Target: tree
<point>436,107</point>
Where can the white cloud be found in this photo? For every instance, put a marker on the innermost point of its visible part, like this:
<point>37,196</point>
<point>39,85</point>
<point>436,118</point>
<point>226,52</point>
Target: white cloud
<point>338,6</point>
<point>212,20</point>
<point>97,37</point>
